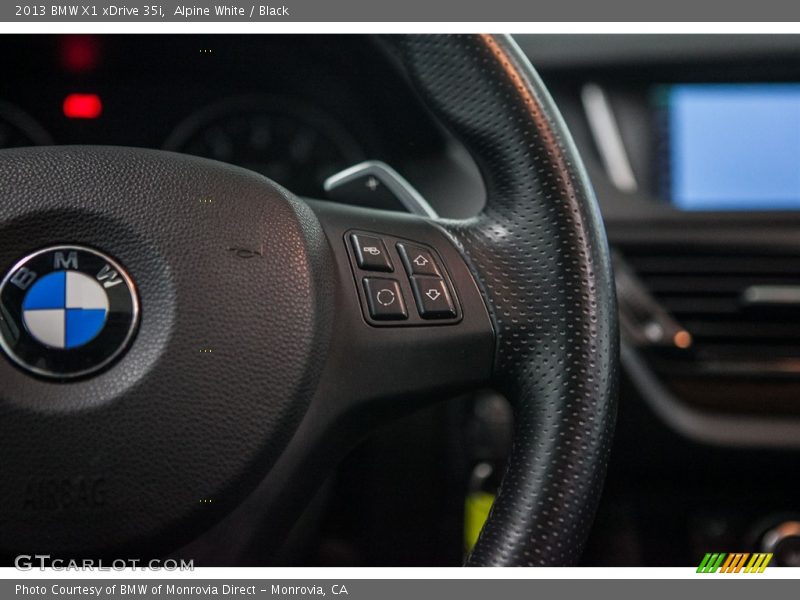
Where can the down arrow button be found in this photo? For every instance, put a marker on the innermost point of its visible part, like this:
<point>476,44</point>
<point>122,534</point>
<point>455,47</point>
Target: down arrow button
<point>433,298</point>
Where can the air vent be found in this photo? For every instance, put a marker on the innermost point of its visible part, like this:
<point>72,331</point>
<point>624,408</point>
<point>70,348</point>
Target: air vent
<point>741,308</point>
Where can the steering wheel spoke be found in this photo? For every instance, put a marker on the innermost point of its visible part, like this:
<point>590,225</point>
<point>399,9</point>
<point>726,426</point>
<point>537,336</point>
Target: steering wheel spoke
<point>375,369</point>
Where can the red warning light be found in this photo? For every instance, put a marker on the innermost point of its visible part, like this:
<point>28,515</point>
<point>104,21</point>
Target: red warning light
<point>82,106</point>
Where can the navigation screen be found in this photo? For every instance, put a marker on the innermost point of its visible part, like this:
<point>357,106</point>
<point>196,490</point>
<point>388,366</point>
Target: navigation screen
<point>733,147</point>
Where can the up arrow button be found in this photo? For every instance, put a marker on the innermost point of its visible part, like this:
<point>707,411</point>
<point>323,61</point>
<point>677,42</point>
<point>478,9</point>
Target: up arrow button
<point>418,260</point>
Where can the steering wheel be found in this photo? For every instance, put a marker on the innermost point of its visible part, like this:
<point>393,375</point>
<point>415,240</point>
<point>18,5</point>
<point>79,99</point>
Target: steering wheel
<point>272,333</point>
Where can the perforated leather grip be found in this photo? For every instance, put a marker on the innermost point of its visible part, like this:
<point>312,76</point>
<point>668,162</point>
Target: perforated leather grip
<point>541,257</point>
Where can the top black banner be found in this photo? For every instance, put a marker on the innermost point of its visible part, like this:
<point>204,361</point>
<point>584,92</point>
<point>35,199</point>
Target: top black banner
<point>407,11</point>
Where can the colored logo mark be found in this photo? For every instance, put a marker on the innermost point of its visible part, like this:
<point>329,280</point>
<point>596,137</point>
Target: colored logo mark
<point>734,563</point>
<point>65,309</point>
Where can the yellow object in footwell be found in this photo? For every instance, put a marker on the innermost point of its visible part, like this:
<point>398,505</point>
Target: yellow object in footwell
<point>476,511</point>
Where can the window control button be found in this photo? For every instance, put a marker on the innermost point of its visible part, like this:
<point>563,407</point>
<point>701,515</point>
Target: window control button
<point>418,260</point>
<point>384,299</point>
<point>433,298</point>
<point>371,253</point>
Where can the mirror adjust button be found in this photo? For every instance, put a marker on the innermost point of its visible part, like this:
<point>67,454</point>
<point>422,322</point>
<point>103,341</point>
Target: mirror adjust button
<point>418,260</point>
<point>384,299</point>
<point>371,253</point>
<point>433,298</point>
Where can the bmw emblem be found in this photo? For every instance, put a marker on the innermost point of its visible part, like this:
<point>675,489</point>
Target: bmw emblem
<point>66,312</point>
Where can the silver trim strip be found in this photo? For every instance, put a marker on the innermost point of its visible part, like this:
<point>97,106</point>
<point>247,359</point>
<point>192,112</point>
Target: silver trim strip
<point>608,138</point>
<point>771,295</point>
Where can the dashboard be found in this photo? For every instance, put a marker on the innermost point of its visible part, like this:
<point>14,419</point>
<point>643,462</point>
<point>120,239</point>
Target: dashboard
<point>691,145</point>
<point>296,109</point>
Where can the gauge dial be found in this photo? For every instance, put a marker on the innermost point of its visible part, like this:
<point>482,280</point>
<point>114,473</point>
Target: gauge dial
<point>299,147</point>
<point>17,128</point>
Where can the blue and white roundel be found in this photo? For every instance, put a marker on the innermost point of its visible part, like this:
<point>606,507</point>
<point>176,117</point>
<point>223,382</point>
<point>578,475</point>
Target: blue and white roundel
<point>65,309</point>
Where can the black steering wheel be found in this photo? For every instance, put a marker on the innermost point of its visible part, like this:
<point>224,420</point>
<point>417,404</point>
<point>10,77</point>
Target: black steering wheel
<point>273,333</point>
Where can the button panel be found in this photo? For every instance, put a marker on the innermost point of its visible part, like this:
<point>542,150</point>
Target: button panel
<point>423,281</point>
